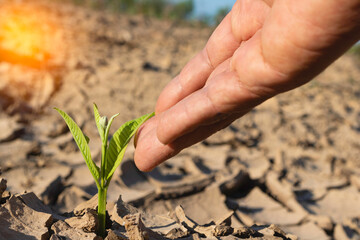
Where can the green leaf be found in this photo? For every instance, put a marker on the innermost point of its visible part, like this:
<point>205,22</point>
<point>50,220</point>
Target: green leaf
<point>97,120</point>
<point>81,142</point>
<point>103,161</point>
<point>119,142</point>
<point>109,125</point>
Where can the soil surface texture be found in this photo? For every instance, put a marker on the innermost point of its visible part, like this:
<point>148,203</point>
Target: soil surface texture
<point>290,169</point>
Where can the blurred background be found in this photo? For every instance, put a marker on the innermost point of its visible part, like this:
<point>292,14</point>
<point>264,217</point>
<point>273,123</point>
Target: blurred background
<point>206,11</point>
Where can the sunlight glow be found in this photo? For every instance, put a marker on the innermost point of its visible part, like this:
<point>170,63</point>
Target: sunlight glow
<point>26,36</point>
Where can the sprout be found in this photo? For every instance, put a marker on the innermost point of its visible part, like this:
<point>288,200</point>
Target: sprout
<point>112,153</point>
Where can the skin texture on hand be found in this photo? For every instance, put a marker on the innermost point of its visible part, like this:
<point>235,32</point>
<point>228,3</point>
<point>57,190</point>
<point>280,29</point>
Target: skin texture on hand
<point>260,49</point>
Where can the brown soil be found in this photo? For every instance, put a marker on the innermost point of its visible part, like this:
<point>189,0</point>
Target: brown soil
<point>290,169</point>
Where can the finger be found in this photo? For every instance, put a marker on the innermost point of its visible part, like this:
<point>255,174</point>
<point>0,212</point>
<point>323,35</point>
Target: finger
<point>247,17</point>
<point>224,93</point>
<point>150,152</point>
<point>192,77</point>
<point>195,73</point>
<point>223,42</point>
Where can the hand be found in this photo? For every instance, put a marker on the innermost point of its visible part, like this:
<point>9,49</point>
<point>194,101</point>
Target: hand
<point>260,49</point>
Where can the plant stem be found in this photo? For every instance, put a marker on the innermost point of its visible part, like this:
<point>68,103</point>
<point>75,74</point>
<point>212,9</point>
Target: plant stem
<point>102,211</point>
<point>103,163</point>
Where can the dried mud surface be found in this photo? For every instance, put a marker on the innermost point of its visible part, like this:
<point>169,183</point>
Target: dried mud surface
<point>290,169</point>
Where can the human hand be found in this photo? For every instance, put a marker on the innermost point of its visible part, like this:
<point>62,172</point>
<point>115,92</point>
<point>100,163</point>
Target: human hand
<point>260,49</point>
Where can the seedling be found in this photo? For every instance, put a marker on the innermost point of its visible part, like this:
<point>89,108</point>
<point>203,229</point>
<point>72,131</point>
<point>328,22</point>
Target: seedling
<point>111,154</point>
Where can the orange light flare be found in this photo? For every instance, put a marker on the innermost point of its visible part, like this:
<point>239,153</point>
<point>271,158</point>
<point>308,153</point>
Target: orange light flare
<point>28,36</point>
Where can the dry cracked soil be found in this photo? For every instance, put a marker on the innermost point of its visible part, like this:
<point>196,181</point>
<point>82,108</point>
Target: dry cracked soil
<point>290,169</point>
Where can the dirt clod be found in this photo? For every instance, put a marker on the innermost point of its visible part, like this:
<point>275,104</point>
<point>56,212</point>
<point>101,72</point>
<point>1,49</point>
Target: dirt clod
<point>63,231</point>
<point>88,222</point>
<point>18,221</point>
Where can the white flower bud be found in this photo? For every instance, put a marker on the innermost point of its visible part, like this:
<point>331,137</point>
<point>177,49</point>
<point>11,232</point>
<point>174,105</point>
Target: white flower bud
<point>103,122</point>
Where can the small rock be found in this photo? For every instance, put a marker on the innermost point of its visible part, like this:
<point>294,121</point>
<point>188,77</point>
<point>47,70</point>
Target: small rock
<point>114,235</point>
<point>64,232</point>
<point>245,218</point>
<point>277,230</point>
<point>195,236</point>
<point>270,232</point>
<point>57,237</point>
<point>190,225</point>
<point>207,230</point>
<point>122,209</point>
<point>221,230</point>
<point>32,201</point>
<point>244,232</point>
<point>265,230</point>
<point>291,237</point>
<point>137,231</point>
<point>18,221</point>
<point>225,220</point>
<point>83,207</point>
<point>88,222</point>
<point>164,225</point>
<point>176,233</point>
<point>181,217</point>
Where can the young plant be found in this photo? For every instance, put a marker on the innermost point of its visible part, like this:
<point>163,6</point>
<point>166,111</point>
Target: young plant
<point>111,154</point>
